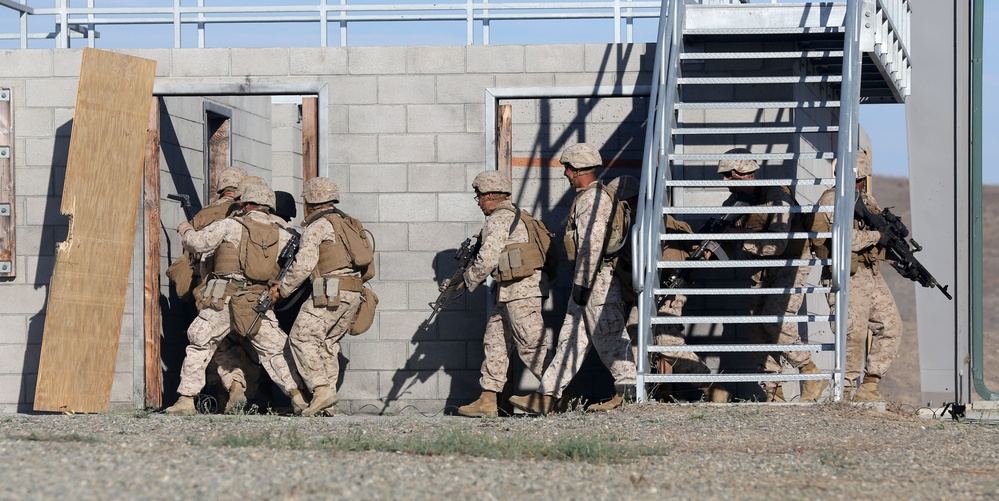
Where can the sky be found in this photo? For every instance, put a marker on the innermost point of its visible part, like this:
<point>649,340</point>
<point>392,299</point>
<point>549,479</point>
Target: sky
<point>884,123</point>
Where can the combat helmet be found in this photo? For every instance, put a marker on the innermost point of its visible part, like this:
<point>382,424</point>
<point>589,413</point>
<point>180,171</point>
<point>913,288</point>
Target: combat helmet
<point>320,190</point>
<point>863,167</point>
<point>492,181</point>
<point>248,180</point>
<point>230,178</point>
<point>581,156</point>
<point>742,166</point>
<point>258,194</point>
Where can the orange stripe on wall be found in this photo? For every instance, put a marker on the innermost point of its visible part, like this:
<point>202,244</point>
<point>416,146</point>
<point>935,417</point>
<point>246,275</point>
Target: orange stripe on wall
<point>626,163</point>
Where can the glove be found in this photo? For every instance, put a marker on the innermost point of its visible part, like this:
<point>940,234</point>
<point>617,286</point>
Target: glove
<point>580,294</point>
<point>184,228</point>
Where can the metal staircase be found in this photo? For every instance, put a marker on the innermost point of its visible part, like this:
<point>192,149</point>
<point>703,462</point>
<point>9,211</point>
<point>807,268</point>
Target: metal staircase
<point>786,85</point>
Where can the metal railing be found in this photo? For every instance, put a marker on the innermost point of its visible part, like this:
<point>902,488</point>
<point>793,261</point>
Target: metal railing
<point>85,22</point>
<point>891,24</point>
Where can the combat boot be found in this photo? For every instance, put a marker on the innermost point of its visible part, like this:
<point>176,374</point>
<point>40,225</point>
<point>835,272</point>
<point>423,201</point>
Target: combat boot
<point>485,406</point>
<point>868,391</point>
<point>298,403</point>
<point>237,398</point>
<point>811,389</point>
<point>535,403</point>
<point>776,394</point>
<point>716,394</point>
<point>183,407</point>
<point>322,397</point>
<point>613,403</point>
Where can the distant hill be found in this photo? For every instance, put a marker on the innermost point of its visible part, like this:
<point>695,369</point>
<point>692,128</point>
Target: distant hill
<point>901,385</point>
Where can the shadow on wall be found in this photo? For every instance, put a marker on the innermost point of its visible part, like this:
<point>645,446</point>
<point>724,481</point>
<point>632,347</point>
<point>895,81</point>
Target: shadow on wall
<point>55,228</point>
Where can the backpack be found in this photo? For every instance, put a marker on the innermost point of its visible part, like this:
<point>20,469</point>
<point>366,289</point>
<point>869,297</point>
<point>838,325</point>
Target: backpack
<point>618,226</point>
<point>520,260</point>
<point>259,250</point>
<point>357,241</point>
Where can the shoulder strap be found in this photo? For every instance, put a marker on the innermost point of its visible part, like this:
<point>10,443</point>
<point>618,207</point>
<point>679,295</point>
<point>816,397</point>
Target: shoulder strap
<point>516,217</point>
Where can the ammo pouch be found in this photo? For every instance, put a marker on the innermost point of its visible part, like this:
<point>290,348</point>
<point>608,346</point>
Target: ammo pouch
<point>569,242</point>
<point>326,290</point>
<point>182,273</point>
<point>365,313</point>
<point>241,312</point>
<point>518,261</point>
<point>214,292</point>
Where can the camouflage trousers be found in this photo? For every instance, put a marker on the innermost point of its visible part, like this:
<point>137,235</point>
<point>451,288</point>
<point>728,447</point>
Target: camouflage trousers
<point>600,322</point>
<point>682,362</point>
<point>776,305</point>
<point>514,325</point>
<point>211,327</point>
<point>315,339</point>
<point>234,362</point>
<point>871,309</point>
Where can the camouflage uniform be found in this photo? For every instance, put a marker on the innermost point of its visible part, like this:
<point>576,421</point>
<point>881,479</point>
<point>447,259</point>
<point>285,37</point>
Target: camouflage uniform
<point>778,277</point>
<point>871,305</point>
<point>602,319</point>
<point>516,320</point>
<point>315,337</point>
<point>672,305</point>
<point>212,325</point>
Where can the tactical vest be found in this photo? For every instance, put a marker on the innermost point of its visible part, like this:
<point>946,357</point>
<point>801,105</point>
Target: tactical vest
<point>617,225</point>
<point>871,256</point>
<point>226,258</point>
<point>760,222</point>
<point>214,212</point>
<point>332,255</point>
<point>521,259</point>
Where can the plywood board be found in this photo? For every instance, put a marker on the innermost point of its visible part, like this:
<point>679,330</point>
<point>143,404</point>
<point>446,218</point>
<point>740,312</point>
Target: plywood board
<point>504,140</point>
<point>310,138</point>
<point>7,218</point>
<point>151,320</point>
<point>86,303</point>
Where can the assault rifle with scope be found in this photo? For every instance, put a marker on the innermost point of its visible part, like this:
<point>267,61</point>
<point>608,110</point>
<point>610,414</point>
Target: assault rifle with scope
<point>453,285</point>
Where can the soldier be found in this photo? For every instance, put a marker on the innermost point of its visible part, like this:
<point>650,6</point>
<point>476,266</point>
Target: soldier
<point>871,306</point>
<point>516,321</point>
<point>237,280</point>
<point>336,293</point>
<point>596,311</point>
<point>776,277</point>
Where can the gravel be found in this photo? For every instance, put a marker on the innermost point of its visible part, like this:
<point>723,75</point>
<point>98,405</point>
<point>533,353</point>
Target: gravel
<point>702,451</point>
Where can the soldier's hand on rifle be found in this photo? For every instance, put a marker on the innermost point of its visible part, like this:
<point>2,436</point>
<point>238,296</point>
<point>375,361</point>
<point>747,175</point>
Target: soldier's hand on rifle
<point>275,294</point>
<point>184,227</point>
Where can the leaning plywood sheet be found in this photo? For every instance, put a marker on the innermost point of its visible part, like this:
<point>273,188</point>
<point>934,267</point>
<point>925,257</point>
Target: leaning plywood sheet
<point>103,181</point>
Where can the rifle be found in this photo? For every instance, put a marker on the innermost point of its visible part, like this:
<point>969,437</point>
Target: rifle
<point>286,258</point>
<point>185,203</point>
<point>456,282</point>
<point>898,251</point>
<point>680,277</point>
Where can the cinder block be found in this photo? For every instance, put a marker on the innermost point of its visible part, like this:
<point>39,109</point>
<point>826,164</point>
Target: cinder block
<point>353,90</point>
<point>121,387</point>
<point>15,330</point>
<point>463,88</point>
<point>354,148</point>
<point>34,122</point>
<point>434,236</point>
<point>10,391</point>
<point>421,294</point>
<point>475,118</point>
<point>21,63</point>
<point>401,325</point>
<point>406,89</point>
<point>384,178</point>
<point>376,60</point>
<point>50,92</point>
<point>437,178</point>
<point>458,207</point>
<point>430,355</point>
<point>554,58</point>
<point>457,385</point>
<point>285,115</point>
<point>361,206</point>
<point>359,385</point>
<point>462,325</point>
<point>461,148</point>
<point>43,210</point>
<point>389,236</point>
<point>163,58</point>
<point>614,58</point>
<point>525,111</point>
<point>35,181</point>
<point>391,296</point>
<point>338,119</point>
<point>318,61</point>
<point>376,355</point>
<point>406,148</point>
<point>200,63</point>
<point>376,119</point>
<point>591,80</point>
<point>494,59</point>
<point>435,60</point>
<point>13,359</point>
<point>406,266</point>
<point>436,118</point>
<point>407,386</point>
<point>39,269</point>
<point>407,207</point>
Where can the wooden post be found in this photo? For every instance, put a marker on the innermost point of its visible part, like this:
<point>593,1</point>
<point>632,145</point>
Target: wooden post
<point>151,284</point>
<point>504,140</point>
<point>310,138</point>
<point>7,254</point>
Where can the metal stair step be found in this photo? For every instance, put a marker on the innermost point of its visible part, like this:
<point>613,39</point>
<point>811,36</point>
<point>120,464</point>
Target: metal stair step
<point>739,319</point>
<point>758,80</point>
<point>742,291</point>
<point>766,209</point>
<point>765,31</point>
<point>818,155</point>
<point>752,105</point>
<point>730,378</point>
<point>796,54</point>
<point>740,348</point>
<point>741,236</point>
<point>745,263</point>
<point>723,183</point>
<point>688,131</point>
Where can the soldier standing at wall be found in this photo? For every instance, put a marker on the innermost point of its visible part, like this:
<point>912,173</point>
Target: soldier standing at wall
<point>336,294</point>
<point>596,311</point>
<point>871,307</point>
<point>230,292</point>
<point>784,277</point>
<point>509,254</point>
